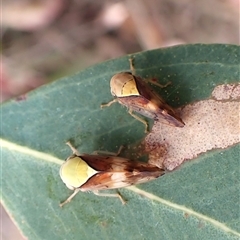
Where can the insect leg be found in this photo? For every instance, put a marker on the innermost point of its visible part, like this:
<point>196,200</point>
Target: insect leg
<point>108,104</point>
<point>70,197</point>
<point>109,153</point>
<point>147,80</point>
<point>74,150</point>
<point>139,119</point>
<point>157,84</point>
<point>110,195</point>
<point>133,71</point>
<point>119,150</point>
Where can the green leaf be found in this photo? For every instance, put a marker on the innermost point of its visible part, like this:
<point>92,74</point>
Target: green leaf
<point>200,200</point>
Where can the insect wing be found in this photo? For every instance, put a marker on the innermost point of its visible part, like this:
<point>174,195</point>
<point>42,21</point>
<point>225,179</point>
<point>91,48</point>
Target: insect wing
<point>118,173</point>
<point>150,104</point>
<point>138,104</point>
<point>105,163</point>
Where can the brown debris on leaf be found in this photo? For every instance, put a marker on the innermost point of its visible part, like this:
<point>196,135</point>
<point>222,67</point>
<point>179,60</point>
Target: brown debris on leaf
<point>210,124</point>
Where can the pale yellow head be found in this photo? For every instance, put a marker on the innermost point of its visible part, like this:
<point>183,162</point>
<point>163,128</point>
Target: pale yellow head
<point>75,172</point>
<point>123,85</point>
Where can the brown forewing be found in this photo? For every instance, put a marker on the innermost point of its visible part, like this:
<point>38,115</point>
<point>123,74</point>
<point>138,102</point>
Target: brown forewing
<point>151,105</point>
<point>111,180</point>
<point>114,163</point>
<point>105,163</point>
<point>116,172</point>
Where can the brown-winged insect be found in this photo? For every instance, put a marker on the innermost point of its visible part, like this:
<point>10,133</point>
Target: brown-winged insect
<point>84,172</point>
<point>134,93</point>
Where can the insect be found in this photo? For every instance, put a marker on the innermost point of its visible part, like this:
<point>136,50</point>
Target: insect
<point>84,172</point>
<point>134,93</point>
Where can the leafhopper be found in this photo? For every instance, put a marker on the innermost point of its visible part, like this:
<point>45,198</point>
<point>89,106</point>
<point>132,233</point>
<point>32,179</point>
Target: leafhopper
<point>84,172</point>
<point>134,93</point>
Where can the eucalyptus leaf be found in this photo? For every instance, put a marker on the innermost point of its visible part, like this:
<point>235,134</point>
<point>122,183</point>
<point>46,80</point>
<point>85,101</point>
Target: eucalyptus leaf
<point>199,200</point>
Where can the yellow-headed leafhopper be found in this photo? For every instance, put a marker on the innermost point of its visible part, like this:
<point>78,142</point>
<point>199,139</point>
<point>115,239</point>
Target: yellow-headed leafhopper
<point>83,172</point>
<point>134,93</point>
